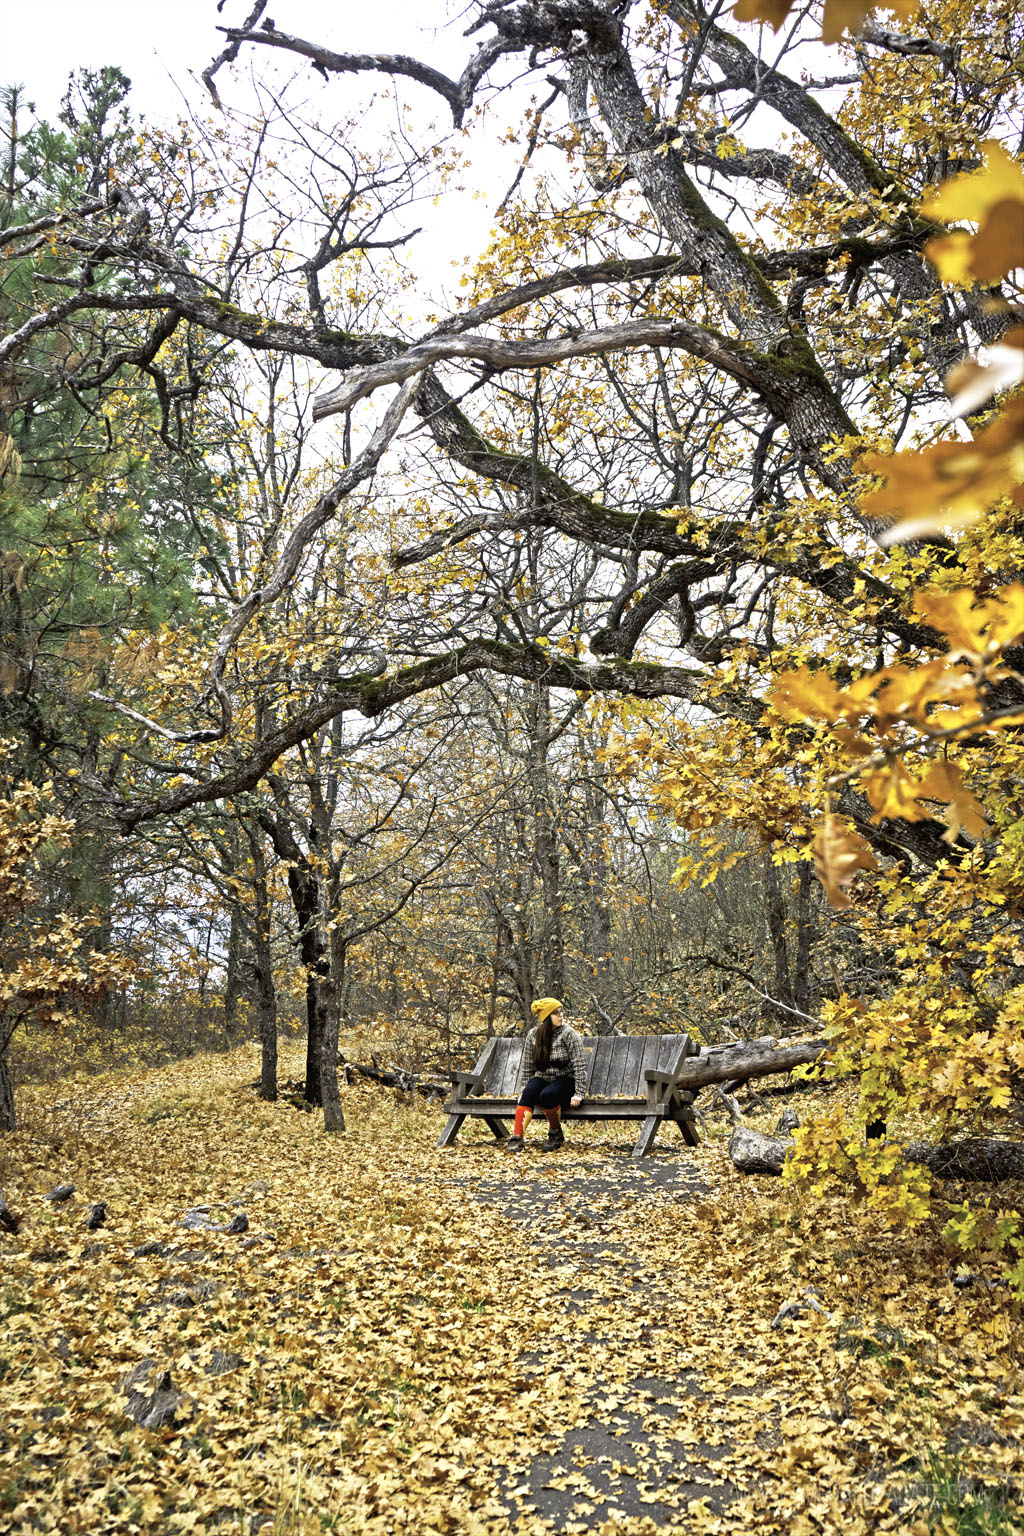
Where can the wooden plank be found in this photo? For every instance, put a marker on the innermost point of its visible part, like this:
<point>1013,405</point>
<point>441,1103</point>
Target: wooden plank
<point>505,1072</point>
<point>497,1067</point>
<point>616,1050</point>
<point>677,1049</point>
<point>688,1128</point>
<point>497,1126</point>
<point>651,1060</point>
<point>626,1053</point>
<point>631,1080</point>
<point>513,1066</point>
<point>645,1140</point>
<point>451,1130</point>
<point>595,1109</point>
<point>483,1066</point>
<point>671,1051</point>
<point>591,1055</point>
<point>598,1084</point>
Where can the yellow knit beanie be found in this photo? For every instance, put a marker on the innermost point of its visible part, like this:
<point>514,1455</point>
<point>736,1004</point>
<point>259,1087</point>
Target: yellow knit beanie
<point>543,1006</point>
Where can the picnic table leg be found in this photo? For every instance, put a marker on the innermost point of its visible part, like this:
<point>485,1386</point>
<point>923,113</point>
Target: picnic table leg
<point>688,1127</point>
<point>497,1126</point>
<point>648,1131</point>
<point>452,1127</point>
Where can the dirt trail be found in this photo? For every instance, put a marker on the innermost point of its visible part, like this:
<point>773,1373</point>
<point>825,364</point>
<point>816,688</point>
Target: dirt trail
<point>623,1459</point>
<point>690,1411</point>
<point>361,1334</point>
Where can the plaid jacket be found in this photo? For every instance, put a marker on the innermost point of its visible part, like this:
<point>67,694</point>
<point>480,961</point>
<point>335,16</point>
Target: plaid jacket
<point>567,1060</point>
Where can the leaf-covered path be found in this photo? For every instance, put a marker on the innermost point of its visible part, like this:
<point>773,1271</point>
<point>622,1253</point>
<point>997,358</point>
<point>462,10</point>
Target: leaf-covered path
<point>404,1340</point>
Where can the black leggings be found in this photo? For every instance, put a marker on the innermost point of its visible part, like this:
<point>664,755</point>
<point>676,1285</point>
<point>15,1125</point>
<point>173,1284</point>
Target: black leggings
<point>540,1093</point>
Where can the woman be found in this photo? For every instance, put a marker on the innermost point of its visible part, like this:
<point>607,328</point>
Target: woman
<point>553,1074</point>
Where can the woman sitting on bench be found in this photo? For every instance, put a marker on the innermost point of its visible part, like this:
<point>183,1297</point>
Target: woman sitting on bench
<point>553,1074</point>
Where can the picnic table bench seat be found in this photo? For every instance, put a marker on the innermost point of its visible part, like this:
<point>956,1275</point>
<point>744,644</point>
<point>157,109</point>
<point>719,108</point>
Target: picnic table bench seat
<point>629,1077</point>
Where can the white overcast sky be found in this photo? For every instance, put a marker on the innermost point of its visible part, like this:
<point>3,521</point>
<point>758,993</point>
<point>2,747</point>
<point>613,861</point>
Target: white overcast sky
<point>164,48</point>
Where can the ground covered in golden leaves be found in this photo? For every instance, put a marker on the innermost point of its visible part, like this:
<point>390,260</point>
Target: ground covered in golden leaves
<point>463,1341</point>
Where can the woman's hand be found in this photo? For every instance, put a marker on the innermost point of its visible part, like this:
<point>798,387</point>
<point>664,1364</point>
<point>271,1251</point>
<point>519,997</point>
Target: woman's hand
<point>576,1102</point>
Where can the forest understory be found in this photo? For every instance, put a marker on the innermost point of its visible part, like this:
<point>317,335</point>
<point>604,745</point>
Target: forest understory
<point>400,1339</point>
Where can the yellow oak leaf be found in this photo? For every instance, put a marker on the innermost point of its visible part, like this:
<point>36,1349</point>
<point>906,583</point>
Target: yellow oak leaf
<point>839,16</point>
<point>907,693</point>
<point>992,198</point>
<point>838,854</point>
<point>944,781</point>
<point>804,694</point>
<point>849,16</point>
<point>774,12</point>
<point>971,195</point>
<point>949,485</point>
<point>975,627</point>
<point>894,793</point>
<point>807,694</point>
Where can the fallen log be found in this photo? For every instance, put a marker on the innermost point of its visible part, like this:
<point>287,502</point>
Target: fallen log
<point>976,1159</point>
<point>404,1080</point>
<point>734,1064</point>
<point>753,1152</point>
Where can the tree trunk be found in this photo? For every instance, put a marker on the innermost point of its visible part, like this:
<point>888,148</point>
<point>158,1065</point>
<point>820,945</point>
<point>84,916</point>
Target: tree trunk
<point>8,1119</point>
<point>330,1097</point>
<point>598,873</point>
<point>315,1026</point>
<point>974,1159</point>
<point>402,1078</point>
<point>545,844</point>
<point>804,933</point>
<point>305,890</point>
<point>775,916</point>
<point>233,976</point>
<point>265,997</point>
<point>492,990</point>
<point>305,893</point>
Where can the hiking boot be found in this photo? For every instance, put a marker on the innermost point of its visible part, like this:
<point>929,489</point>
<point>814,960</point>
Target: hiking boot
<point>514,1144</point>
<point>556,1139</point>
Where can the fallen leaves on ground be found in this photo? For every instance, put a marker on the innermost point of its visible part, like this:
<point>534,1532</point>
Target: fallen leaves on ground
<point>386,1348</point>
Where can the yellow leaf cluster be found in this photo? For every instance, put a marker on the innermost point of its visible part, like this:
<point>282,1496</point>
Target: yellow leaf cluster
<point>992,198</point>
<point>838,18</point>
<point>949,485</point>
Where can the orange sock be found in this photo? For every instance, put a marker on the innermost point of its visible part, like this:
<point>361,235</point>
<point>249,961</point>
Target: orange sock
<point>553,1116</point>
<point>520,1121</point>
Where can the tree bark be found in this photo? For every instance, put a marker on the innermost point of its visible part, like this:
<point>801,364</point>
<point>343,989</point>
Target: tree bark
<point>980,1159</point>
<point>233,976</point>
<point>330,1097</point>
<point>598,889</point>
<point>775,916</point>
<point>974,1159</point>
<point>753,1152</point>
<point>545,846</point>
<point>265,995</point>
<point>8,1118</point>
<point>804,934</point>
<point>304,888</point>
<point>749,1058</point>
<point>402,1078</point>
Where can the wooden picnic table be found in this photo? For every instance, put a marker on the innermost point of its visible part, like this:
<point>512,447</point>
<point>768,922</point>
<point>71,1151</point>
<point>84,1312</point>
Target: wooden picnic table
<point>629,1077</point>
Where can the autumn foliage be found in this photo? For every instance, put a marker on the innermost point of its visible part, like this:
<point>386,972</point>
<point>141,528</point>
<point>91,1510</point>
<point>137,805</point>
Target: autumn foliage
<point>681,558</point>
<point>48,970</point>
